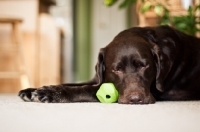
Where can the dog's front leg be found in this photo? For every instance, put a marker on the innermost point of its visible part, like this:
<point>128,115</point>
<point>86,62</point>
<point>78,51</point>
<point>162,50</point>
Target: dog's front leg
<point>82,92</point>
<point>60,93</point>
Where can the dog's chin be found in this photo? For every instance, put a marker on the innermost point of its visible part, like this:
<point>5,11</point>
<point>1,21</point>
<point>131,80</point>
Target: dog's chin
<point>147,100</point>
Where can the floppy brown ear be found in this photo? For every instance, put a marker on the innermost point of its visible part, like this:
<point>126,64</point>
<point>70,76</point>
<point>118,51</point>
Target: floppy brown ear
<point>100,68</point>
<point>162,60</point>
<point>163,66</point>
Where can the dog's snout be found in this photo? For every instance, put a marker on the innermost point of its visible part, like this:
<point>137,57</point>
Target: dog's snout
<point>136,99</point>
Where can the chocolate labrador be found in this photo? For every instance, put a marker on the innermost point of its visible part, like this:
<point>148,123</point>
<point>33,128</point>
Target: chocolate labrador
<point>145,64</point>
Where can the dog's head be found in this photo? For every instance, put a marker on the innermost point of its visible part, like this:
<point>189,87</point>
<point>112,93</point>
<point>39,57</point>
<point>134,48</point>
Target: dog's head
<point>133,62</point>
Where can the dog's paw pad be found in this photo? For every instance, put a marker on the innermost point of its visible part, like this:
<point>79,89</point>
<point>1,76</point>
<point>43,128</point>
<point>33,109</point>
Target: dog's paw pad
<point>34,96</point>
<point>44,99</point>
<point>21,94</point>
<point>26,94</point>
<point>24,97</point>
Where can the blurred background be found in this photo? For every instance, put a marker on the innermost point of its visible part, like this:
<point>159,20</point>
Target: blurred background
<point>48,42</point>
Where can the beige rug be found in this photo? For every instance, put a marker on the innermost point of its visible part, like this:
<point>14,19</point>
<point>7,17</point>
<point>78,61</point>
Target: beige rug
<point>19,116</point>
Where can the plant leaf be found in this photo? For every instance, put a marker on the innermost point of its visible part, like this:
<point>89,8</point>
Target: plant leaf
<point>145,7</point>
<point>158,9</point>
<point>196,8</point>
<point>109,2</point>
<point>127,3</point>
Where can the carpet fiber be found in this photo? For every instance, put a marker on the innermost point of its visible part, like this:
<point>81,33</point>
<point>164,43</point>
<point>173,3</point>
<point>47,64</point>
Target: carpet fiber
<point>19,116</point>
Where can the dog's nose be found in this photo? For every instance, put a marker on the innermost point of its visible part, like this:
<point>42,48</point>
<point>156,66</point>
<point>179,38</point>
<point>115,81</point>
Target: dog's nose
<point>135,99</point>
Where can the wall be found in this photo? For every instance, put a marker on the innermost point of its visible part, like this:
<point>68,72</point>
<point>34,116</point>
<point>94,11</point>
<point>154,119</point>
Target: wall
<point>107,23</point>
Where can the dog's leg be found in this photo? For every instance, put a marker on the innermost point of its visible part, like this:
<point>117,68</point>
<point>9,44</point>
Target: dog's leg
<point>68,92</point>
<point>61,93</point>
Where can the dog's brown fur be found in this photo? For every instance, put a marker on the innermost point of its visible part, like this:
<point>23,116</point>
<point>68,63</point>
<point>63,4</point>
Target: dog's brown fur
<point>145,65</point>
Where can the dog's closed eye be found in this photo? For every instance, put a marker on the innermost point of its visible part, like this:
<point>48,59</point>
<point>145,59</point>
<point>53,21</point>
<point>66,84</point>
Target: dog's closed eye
<point>118,69</point>
<point>139,64</point>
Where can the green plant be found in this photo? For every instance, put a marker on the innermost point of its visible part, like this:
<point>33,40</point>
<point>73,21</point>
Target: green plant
<point>186,23</point>
<point>146,5</point>
<point>123,4</point>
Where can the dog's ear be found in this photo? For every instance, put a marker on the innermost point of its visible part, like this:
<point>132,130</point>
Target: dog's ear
<point>163,66</point>
<point>100,67</point>
<point>163,63</point>
<point>150,35</point>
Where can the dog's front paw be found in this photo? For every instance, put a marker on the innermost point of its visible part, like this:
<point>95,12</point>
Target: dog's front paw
<point>49,94</point>
<point>26,94</point>
<point>45,94</point>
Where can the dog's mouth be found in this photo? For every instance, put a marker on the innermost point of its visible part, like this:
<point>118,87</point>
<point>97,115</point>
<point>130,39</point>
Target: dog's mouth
<point>136,98</point>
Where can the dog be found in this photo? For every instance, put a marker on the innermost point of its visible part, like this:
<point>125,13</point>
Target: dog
<point>146,65</point>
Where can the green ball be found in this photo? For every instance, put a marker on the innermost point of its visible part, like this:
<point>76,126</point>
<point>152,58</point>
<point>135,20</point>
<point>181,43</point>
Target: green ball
<point>107,93</point>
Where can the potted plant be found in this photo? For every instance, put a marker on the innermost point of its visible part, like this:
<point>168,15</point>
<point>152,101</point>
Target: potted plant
<point>158,10</point>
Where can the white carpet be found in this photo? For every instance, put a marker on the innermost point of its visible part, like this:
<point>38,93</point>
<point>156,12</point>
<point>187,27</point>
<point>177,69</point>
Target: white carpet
<point>19,116</point>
